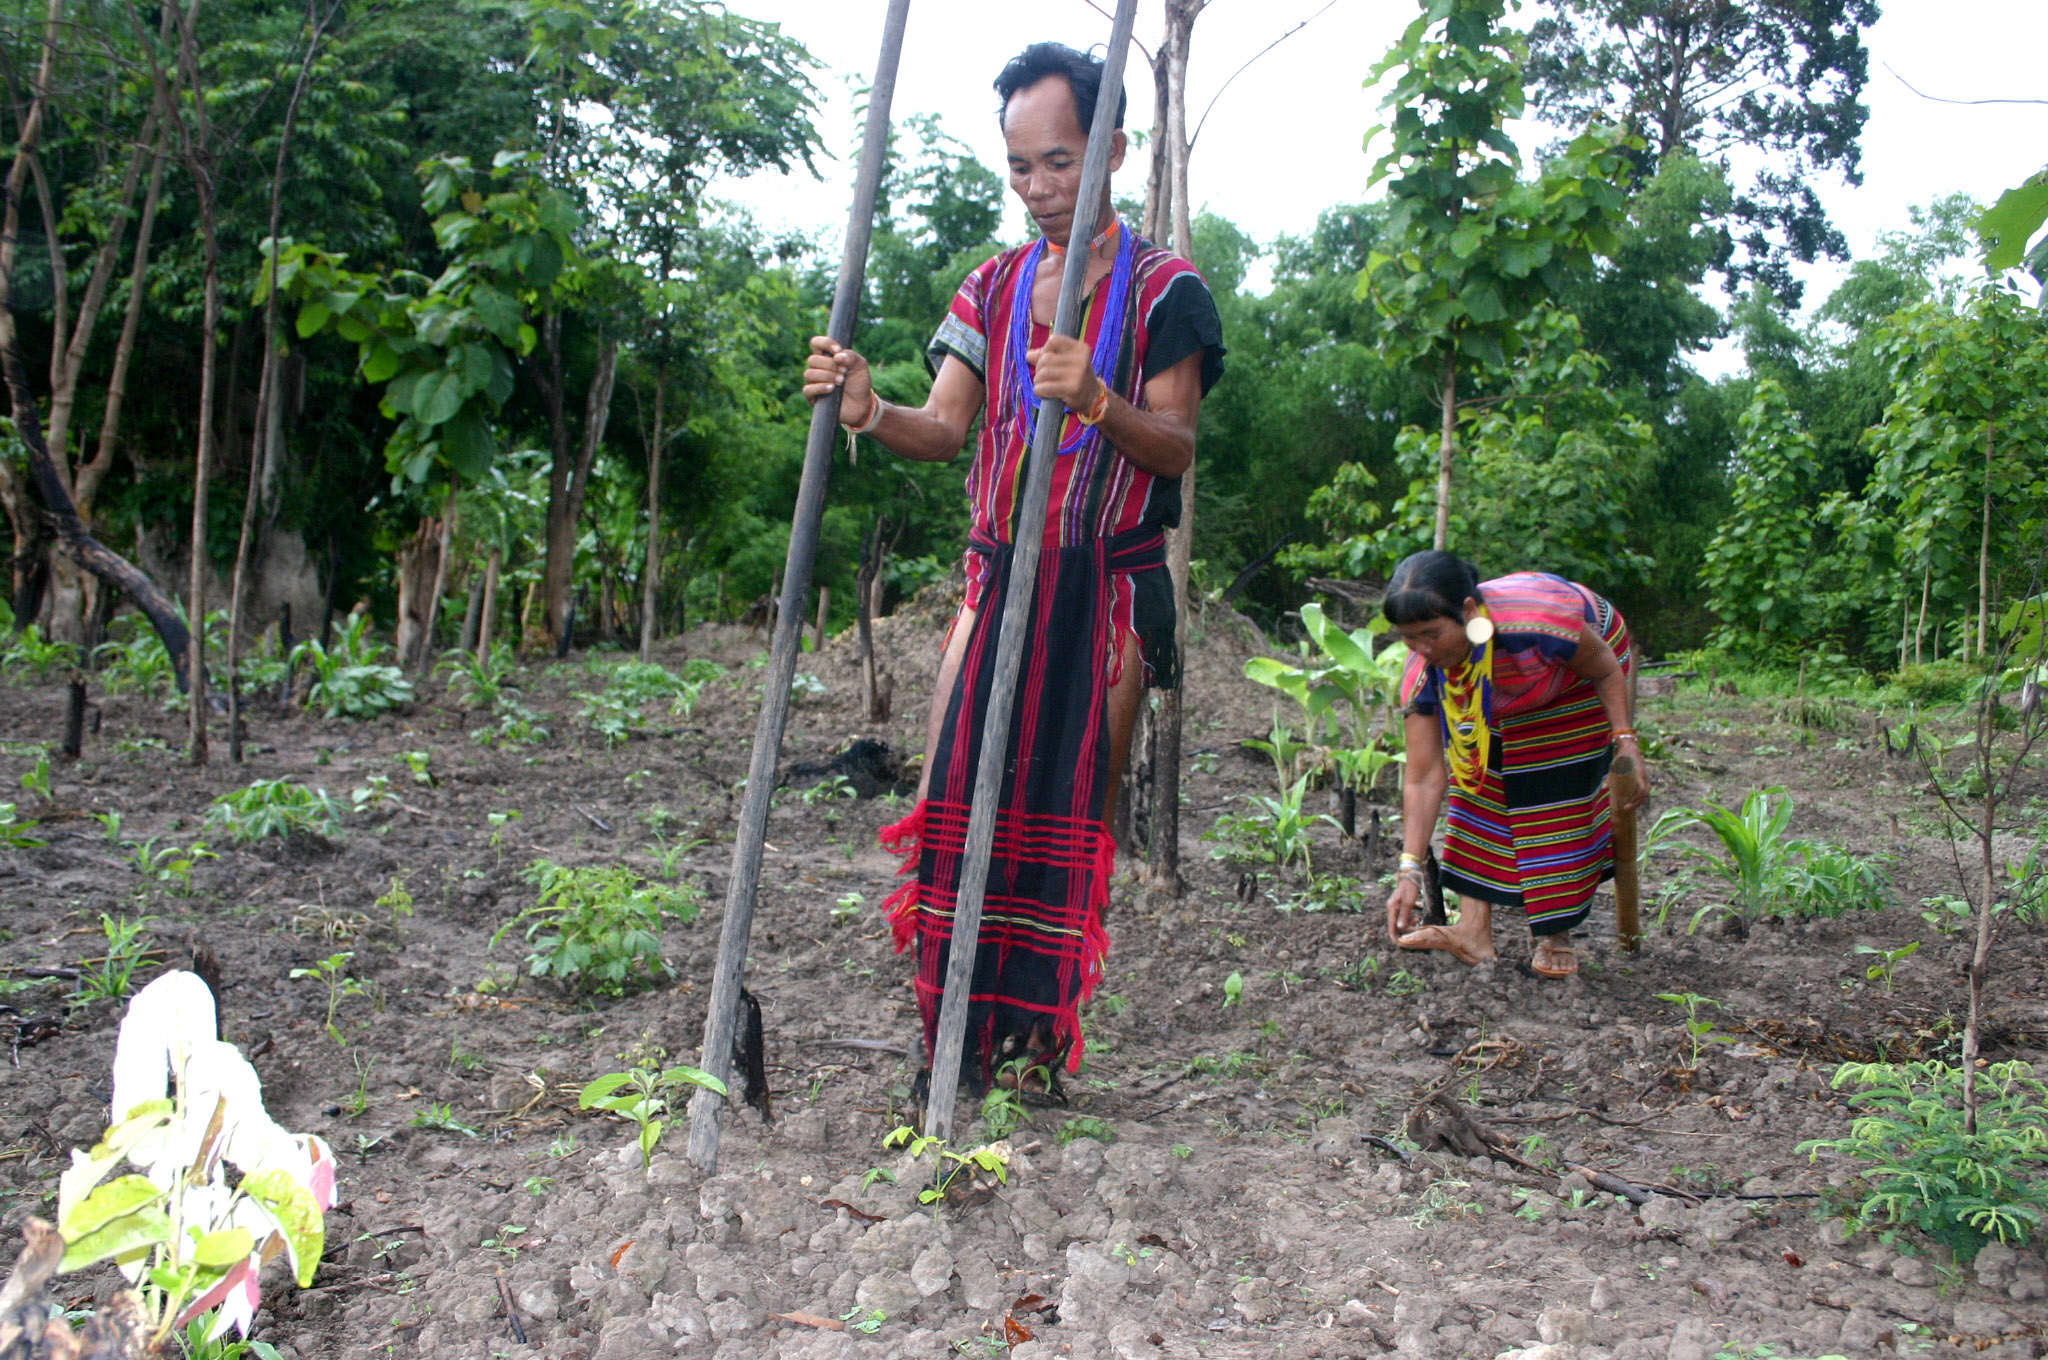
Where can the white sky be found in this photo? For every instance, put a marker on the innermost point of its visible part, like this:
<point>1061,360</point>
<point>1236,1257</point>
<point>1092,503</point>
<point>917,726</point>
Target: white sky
<point>1285,140</point>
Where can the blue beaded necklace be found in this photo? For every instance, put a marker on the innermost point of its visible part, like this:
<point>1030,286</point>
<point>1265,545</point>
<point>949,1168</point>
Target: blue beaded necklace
<point>1024,394</point>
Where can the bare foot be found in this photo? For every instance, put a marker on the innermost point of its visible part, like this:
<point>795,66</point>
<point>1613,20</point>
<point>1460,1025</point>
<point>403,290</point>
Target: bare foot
<point>1554,958</point>
<point>1448,939</point>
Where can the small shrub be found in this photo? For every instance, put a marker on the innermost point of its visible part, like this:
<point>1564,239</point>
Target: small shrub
<point>352,679</point>
<point>29,650</point>
<point>478,681</point>
<point>597,928</point>
<point>1936,682</point>
<point>273,807</point>
<point>1923,1169</point>
<point>136,664</point>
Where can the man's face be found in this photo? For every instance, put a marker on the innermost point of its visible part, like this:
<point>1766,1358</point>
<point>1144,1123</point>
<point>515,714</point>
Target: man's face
<point>1045,141</point>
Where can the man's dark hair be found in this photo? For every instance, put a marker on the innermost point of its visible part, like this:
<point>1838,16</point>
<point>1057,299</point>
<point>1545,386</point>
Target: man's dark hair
<point>1083,75</point>
<point>1430,585</point>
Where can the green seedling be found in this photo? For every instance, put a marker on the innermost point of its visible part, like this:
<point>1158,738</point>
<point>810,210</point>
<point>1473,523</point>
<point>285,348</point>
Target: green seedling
<point>1002,1109</point>
<point>947,1165</point>
<point>847,908</point>
<point>867,1321</point>
<point>828,790</point>
<point>37,780</point>
<point>358,1102</point>
<point>442,1116</point>
<point>110,825</point>
<point>1233,990</point>
<point>1887,962</point>
<point>396,900</point>
<point>1087,1126</point>
<point>646,1096</point>
<point>538,1186</point>
<point>1698,1029</point>
<point>597,928</point>
<point>332,973</point>
<point>502,1243</point>
<point>109,977</point>
<point>16,831</point>
<point>418,762</point>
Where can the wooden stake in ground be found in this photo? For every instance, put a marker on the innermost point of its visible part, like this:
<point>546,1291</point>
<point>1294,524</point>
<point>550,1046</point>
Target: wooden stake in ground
<point>722,1019</point>
<point>995,735</point>
<point>1622,781</point>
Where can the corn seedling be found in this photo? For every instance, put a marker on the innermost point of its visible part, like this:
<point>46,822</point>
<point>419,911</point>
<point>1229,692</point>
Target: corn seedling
<point>127,943</point>
<point>17,832</point>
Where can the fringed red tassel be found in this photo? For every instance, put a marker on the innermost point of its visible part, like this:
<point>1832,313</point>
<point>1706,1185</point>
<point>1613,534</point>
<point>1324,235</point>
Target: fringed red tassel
<point>904,839</point>
<point>1094,946</point>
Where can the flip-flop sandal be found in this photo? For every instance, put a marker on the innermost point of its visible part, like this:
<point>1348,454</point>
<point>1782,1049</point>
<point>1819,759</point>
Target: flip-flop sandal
<point>1555,974</point>
<point>1447,945</point>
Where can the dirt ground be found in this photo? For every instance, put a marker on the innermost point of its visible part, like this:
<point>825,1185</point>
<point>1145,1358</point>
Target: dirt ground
<point>1207,1193</point>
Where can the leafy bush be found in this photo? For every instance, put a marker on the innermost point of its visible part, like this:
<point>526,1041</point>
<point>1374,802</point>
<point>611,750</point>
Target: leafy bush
<point>1772,873</point>
<point>273,807</point>
<point>1936,682</point>
<point>517,724</point>
<point>620,710</point>
<point>1275,832</point>
<point>28,650</point>
<point>597,928</point>
<point>478,681</point>
<point>1923,1169</point>
<point>352,679</point>
<point>137,663</point>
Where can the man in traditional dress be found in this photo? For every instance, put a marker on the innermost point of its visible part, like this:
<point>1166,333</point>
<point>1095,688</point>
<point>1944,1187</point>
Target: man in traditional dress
<point>1102,622</point>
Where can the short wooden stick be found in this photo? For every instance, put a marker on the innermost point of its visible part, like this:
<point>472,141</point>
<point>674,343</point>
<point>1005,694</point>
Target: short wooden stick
<point>1622,781</point>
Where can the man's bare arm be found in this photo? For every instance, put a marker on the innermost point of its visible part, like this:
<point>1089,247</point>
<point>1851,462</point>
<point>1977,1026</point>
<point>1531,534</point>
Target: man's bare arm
<point>932,433</point>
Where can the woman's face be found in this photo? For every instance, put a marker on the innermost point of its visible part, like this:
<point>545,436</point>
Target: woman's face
<point>1440,641</point>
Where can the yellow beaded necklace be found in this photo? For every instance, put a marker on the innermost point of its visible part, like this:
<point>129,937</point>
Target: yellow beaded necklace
<point>1468,744</point>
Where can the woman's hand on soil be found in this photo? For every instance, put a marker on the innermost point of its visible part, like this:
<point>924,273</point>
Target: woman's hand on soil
<point>1401,904</point>
<point>833,367</point>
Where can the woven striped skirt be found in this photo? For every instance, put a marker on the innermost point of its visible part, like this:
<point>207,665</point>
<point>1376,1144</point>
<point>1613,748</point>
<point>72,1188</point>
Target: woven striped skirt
<point>1537,833</point>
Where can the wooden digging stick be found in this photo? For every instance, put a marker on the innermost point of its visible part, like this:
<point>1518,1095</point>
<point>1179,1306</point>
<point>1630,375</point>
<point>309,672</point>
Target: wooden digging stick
<point>1015,618</point>
<point>1622,781</point>
<point>722,1018</point>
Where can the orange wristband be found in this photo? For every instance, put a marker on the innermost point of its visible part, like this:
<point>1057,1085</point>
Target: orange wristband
<point>1100,408</point>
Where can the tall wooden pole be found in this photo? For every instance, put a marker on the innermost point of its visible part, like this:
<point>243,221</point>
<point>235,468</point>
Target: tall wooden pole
<point>721,1021</point>
<point>995,734</point>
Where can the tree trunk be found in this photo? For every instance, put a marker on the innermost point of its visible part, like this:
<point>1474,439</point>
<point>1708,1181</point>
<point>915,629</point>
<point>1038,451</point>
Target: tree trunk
<point>472,614</point>
<point>264,429</point>
<point>567,481</point>
<point>1984,549</point>
<point>419,567</point>
<point>1447,400</point>
<point>824,613</point>
<point>650,576</point>
<point>444,553</point>
<point>1164,823</point>
<point>488,623</point>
